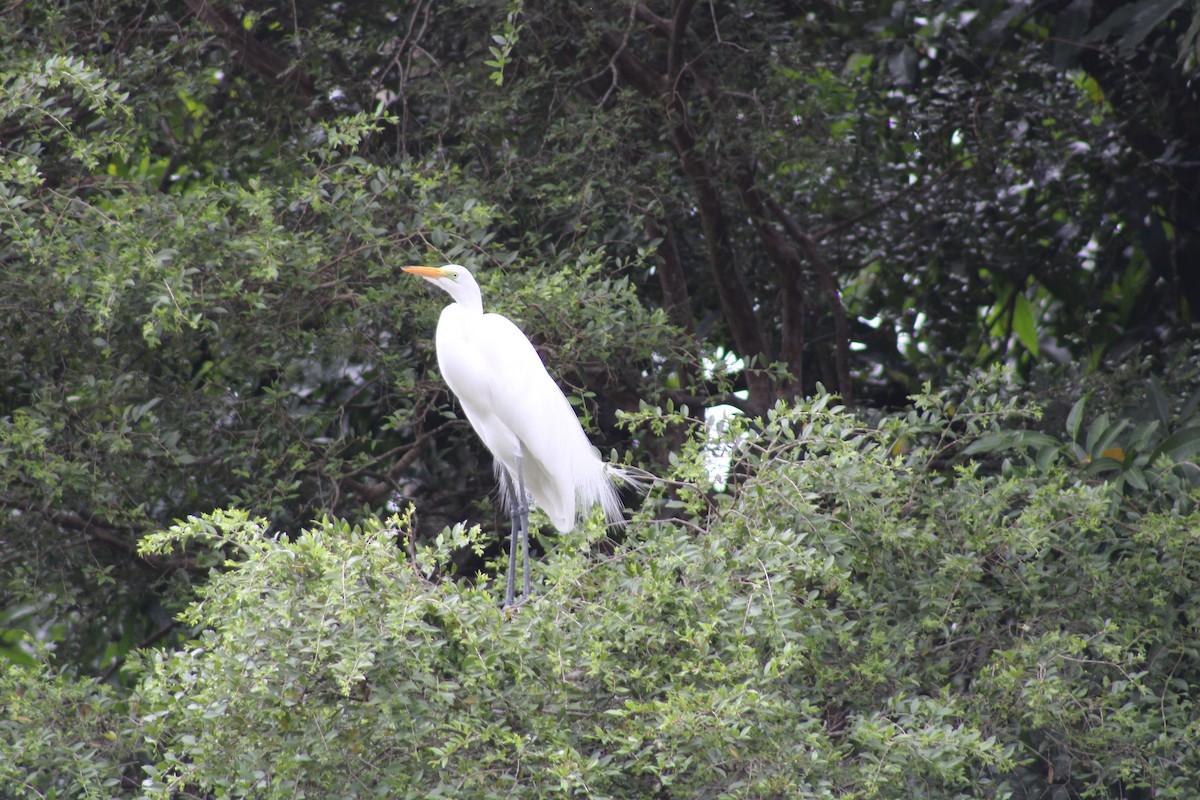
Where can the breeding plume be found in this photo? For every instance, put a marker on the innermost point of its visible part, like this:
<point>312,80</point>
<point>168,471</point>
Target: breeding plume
<point>520,414</point>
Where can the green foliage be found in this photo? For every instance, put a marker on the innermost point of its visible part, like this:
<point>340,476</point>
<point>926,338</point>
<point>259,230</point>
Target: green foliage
<point>201,211</point>
<point>1146,451</point>
<point>202,300</point>
<point>63,737</point>
<point>851,617</point>
<point>201,215</point>
<point>504,42</point>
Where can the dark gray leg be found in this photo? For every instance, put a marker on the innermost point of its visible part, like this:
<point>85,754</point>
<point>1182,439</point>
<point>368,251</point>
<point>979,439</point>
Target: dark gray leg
<point>523,507</point>
<point>512,555</point>
<point>520,530</point>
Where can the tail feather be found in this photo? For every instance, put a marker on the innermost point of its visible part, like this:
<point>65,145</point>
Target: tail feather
<point>597,485</point>
<point>603,491</point>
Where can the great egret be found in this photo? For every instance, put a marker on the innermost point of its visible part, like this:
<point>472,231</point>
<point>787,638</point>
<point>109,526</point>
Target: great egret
<point>520,414</point>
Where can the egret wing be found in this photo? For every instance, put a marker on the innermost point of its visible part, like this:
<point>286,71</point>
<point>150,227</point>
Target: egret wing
<point>512,402</point>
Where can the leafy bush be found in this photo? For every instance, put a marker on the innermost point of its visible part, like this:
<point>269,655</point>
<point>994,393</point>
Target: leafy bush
<point>867,611</point>
<point>63,737</point>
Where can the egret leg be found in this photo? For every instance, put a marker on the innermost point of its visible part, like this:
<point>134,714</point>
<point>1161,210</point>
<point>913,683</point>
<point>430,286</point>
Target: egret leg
<point>523,506</point>
<point>520,530</point>
<point>512,556</point>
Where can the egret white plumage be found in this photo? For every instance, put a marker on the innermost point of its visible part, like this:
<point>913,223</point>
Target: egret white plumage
<point>521,415</point>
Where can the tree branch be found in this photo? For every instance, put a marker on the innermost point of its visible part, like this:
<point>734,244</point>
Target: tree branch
<point>916,188</point>
<point>639,74</point>
<point>253,54</point>
<point>736,303</point>
<point>675,37</point>
<point>149,641</point>
<point>671,278</point>
<point>788,264</point>
<point>833,296</point>
<point>99,530</point>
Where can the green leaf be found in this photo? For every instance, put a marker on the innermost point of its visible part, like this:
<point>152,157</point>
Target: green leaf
<point>1010,440</point>
<point>1106,435</point>
<point>1158,401</point>
<point>1046,456</point>
<point>1024,325</point>
<point>1136,478</point>
<point>1075,418</point>
<point>1179,446</point>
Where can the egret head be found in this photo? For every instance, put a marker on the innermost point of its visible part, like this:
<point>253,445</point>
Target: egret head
<point>454,279</point>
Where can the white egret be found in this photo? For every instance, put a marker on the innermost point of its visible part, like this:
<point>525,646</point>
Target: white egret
<point>520,414</point>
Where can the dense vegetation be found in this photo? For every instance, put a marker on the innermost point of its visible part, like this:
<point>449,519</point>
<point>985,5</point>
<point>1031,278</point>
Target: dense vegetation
<point>247,539</point>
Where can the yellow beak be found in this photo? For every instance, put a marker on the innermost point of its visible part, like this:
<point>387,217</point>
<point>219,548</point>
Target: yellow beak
<point>426,272</point>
